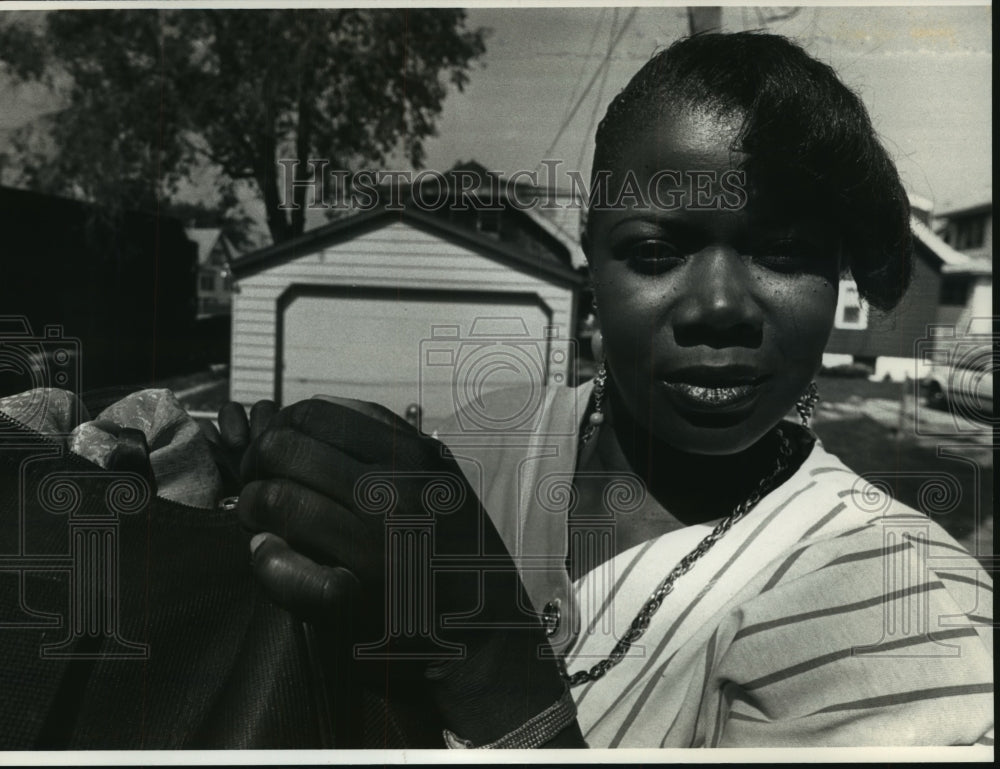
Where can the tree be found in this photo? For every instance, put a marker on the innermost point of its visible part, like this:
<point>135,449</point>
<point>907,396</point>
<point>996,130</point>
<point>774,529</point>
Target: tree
<point>152,97</point>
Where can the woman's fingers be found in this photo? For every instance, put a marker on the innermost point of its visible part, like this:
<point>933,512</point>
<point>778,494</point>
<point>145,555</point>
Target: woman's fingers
<point>365,431</point>
<point>314,525</point>
<point>234,426</point>
<point>209,430</point>
<point>374,411</point>
<point>320,594</point>
<point>261,414</point>
<point>286,453</point>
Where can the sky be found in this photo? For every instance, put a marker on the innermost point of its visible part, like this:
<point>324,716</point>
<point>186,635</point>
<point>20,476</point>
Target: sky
<point>924,73</point>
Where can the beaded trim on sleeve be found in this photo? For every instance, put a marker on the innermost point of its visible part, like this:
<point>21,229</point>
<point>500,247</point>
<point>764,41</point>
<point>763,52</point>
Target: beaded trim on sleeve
<point>533,733</point>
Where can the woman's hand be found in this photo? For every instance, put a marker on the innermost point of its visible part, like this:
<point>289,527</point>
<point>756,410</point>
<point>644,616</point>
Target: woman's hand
<point>365,520</point>
<point>351,490</point>
<point>232,438</point>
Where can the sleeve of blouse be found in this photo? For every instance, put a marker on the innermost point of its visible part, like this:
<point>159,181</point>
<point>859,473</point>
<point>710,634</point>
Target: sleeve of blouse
<point>877,642</point>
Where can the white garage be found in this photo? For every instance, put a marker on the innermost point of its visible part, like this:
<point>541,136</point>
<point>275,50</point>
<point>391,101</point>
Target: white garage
<point>403,308</point>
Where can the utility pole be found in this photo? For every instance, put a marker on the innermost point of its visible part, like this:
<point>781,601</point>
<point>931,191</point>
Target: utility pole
<point>704,18</point>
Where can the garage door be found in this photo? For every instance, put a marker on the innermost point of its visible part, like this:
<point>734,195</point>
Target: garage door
<point>430,349</point>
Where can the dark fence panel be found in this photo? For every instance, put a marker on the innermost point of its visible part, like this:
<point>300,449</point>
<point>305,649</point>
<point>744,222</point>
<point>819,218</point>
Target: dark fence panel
<point>123,285</point>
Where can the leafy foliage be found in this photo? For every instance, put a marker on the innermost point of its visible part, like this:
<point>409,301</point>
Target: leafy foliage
<point>153,97</point>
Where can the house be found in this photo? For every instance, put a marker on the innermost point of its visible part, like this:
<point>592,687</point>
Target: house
<point>968,229</point>
<point>946,289</point>
<point>421,309</point>
<point>215,284</point>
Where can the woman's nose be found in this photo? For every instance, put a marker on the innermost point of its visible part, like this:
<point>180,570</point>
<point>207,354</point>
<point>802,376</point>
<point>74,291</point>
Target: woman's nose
<point>717,306</point>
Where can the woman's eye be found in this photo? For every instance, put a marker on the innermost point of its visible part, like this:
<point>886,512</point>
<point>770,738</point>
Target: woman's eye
<point>787,254</point>
<point>649,256</point>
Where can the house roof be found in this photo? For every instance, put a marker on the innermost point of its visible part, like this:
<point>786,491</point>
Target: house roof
<point>205,238</point>
<point>948,259</point>
<point>919,202</point>
<point>556,211</point>
<point>967,210</point>
<point>553,226</point>
<point>558,224</point>
<point>528,202</point>
<point>474,167</point>
<point>357,224</point>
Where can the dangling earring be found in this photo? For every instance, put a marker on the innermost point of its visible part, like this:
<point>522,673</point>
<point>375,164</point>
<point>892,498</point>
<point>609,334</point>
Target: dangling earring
<point>597,415</point>
<point>600,380</point>
<point>596,338</point>
<point>806,403</point>
<point>597,345</point>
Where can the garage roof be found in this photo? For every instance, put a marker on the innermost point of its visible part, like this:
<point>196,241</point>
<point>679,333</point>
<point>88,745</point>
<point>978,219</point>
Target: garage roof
<point>354,225</point>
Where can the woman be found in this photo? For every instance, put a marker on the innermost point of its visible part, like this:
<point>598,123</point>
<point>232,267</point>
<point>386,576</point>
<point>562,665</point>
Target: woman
<point>750,590</point>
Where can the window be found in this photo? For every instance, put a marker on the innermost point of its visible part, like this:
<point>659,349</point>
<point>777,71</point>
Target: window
<point>206,282</point>
<point>852,313</point>
<point>954,291</point>
<point>971,233</point>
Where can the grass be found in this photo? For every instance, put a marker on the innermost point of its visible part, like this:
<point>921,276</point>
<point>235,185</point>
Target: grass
<point>870,426</point>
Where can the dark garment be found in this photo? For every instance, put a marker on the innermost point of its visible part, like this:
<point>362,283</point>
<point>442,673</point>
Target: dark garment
<point>128,621</point>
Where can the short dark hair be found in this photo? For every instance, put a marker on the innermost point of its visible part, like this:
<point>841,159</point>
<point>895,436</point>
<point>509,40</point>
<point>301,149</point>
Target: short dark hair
<point>809,140</point>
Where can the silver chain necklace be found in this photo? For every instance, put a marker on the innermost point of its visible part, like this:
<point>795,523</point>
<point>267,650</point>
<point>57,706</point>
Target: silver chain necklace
<point>642,619</point>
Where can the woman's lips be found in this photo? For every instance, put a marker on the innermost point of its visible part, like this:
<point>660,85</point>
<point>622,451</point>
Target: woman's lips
<point>714,398</point>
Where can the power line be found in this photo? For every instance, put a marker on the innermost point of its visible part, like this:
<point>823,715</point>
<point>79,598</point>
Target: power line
<point>600,89</point>
<point>597,73</point>
<point>583,64</point>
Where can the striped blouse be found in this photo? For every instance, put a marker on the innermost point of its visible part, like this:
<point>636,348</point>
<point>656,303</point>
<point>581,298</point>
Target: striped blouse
<point>831,615</point>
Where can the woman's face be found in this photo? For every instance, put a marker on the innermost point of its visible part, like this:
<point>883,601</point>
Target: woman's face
<point>714,309</point>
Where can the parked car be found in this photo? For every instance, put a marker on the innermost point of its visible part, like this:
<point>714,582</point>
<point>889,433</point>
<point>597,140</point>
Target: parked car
<point>964,387</point>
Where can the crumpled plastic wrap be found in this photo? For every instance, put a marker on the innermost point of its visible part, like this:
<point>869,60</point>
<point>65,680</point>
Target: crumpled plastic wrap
<point>179,454</point>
